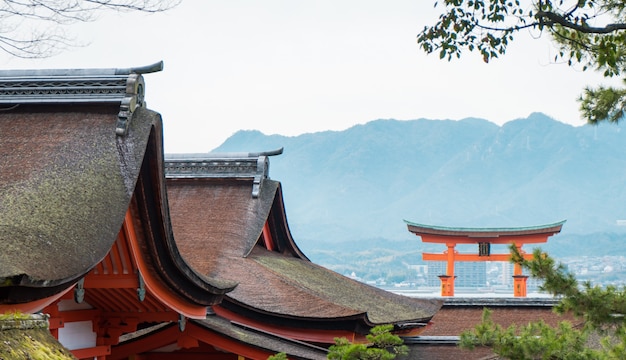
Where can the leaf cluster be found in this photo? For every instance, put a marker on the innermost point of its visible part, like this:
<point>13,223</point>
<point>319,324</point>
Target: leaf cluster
<point>279,356</point>
<point>382,345</point>
<point>36,29</point>
<point>533,341</point>
<point>590,34</point>
<point>474,25</point>
<point>602,310</point>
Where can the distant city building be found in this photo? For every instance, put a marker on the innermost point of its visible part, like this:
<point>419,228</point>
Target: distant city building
<point>468,274</point>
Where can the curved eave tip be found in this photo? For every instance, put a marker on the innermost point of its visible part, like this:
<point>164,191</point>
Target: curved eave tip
<point>156,67</point>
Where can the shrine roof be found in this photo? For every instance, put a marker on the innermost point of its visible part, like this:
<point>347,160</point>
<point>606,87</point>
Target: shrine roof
<point>66,180</point>
<point>70,166</point>
<point>218,223</point>
<point>487,232</point>
<point>67,175</point>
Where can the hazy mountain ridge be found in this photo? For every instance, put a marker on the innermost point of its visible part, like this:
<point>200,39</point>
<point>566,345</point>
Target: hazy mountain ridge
<point>357,184</point>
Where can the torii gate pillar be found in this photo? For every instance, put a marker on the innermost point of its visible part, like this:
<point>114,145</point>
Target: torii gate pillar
<point>447,280</point>
<point>519,279</point>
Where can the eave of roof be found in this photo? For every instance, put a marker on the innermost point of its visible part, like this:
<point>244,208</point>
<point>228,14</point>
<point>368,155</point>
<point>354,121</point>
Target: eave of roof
<point>151,210</point>
<point>419,229</point>
<point>222,334</point>
<point>263,340</point>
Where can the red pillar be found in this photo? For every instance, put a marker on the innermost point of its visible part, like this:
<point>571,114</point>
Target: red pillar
<point>519,280</point>
<point>447,285</point>
<point>519,285</point>
<point>447,280</point>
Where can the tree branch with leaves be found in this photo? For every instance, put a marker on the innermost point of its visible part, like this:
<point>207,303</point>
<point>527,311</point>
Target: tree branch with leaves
<point>36,28</point>
<point>601,308</point>
<point>382,345</point>
<point>589,34</point>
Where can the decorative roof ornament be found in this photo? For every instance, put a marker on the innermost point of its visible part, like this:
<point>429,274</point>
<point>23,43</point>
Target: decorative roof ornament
<point>64,86</point>
<point>253,165</point>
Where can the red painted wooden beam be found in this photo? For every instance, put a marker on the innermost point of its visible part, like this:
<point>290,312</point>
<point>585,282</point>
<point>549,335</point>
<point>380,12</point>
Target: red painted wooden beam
<point>90,353</point>
<point>470,257</point>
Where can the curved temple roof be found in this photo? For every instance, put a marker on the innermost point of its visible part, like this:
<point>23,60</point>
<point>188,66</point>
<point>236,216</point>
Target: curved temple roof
<point>66,180</point>
<point>74,152</point>
<point>218,219</point>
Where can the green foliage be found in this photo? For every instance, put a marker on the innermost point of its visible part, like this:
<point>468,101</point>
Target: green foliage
<point>603,103</point>
<point>602,310</point>
<point>279,356</point>
<point>532,341</point>
<point>382,345</point>
<point>489,26</point>
<point>24,336</point>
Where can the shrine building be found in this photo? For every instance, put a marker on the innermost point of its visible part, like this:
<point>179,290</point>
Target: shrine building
<point>133,254</point>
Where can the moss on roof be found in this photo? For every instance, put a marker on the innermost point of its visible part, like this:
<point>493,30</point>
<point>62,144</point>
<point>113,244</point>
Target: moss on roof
<point>28,337</point>
<point>65,185</point>
<point>381,307</point>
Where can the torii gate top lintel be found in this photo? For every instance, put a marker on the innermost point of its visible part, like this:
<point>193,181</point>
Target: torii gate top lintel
<point>484,237</point>
<point>494,235</point>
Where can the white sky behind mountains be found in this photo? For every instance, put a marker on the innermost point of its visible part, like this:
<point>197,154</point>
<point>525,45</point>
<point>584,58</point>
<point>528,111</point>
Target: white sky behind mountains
<point>292,67</point>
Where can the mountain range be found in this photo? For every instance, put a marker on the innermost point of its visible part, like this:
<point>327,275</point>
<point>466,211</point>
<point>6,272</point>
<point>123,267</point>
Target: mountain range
<point>357,186</point>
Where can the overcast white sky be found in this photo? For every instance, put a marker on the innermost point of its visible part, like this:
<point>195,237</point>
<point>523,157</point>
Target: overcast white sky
<point>292,67</point>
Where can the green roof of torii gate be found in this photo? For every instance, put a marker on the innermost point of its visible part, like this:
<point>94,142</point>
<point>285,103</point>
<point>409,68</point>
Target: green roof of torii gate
<point>419,229</point>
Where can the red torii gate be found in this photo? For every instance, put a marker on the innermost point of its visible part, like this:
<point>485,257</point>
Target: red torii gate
<point>483,237</point>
